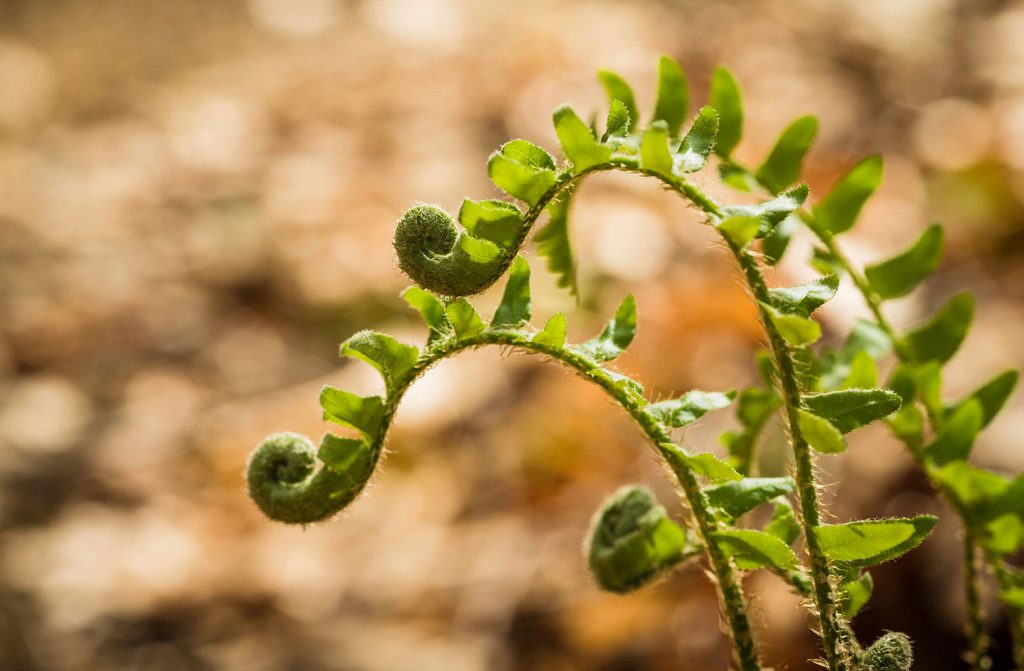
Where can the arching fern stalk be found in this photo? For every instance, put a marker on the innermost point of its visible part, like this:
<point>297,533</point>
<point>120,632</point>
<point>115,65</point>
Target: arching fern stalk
<point>939,434</point>
<point>632,540</point>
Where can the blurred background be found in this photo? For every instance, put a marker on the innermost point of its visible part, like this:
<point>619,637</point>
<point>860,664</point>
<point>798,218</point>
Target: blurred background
<point>196,207</point>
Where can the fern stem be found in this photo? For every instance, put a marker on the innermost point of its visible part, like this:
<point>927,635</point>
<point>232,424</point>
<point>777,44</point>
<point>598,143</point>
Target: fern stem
<point>832,625</point>
<point>732,603</point>
<point>977,640</point>
<point>834,629</point>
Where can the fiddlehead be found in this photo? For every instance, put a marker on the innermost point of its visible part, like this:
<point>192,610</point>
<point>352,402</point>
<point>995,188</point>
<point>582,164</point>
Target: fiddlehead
<point>439,257</point>
<point>284,482</point>
<point>891,652</point>
<point>632,541</point>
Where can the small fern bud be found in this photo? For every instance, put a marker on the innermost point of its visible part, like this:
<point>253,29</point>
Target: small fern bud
<point>284,482</point>
<point>632,541</point>
<point>890,652</point>
<point>439,257</point>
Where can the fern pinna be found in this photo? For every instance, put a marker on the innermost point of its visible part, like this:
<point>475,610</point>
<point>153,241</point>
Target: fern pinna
<point>821,394</point>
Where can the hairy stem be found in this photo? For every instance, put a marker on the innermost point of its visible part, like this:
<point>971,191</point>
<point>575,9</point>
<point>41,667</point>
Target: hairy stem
<point>977,640</point>
<point>832,622</point>
<point>733,605</point>
<point>734,609</point>
<point>833,626</point>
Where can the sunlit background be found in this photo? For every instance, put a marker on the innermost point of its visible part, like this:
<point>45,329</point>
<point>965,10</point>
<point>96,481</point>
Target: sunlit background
<point>196,207</point>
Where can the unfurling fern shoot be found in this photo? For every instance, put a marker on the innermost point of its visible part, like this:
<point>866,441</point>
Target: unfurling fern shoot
<point>820,394</point>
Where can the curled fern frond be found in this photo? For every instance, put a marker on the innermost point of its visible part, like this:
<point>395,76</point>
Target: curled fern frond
<point>436,255</point>
<point>284,482</point>
<point>632,541</point>
<point>890,652</point>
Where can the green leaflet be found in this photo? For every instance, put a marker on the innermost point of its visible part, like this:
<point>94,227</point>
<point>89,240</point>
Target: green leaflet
<point>431,309</point>
<point>898,275</point>
<point>776,242</point>
<point>391,358</point>
<point>698,141</point>
<point>820,433</point>
<point>907,423</point>
<point>940,337</point>
<point>494,220</point>
<point>782,167</point>
<point>783,524</point>
<point>529,154</point>
<point>479,251</point>
<point>464,319</point>
<point>823,261</point>
<point>794,329</point>
<point>632,541</point>
<point>554,245</point>
<point>690,407</point>
<point>754,408</point>
<point>654,150</point>
<point>736,498</point>
<point>771,212</point>
<point>804,299</point>
<point>992,396</point>
<point>838,210</point>
<point>1004,535</point>
<point>872,542</point>
<point>515,302</point>
<point>980,495</point>
<point>346,456</point>
<point>627,384</point>
<point>856,593</point>
<point>705,464</point>
<point>673,97</point>
<point>359,412</point>
<point>849,409</point>
<point>618,122</point>
<point>865,340</point>
<point>523,170</point>
<point>956,438</point>
<point>928,384</point>
<point>863,372</point>
<point>616,336</point>
<point>756,405</point>
<point>578,142</point>
<point>755,549</point>
<point>725,98</point>
<point>733,175</point>
<point>1013,597</point>
<point>617,89</point>
<point>740,229</point>
<point>553,333</point>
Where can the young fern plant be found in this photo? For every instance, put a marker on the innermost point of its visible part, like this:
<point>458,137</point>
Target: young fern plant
<point>939,434</point>
<point>632,540</point>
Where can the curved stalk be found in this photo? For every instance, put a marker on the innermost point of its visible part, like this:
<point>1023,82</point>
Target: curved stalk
<point>323,494</point>
<point>734,610</point>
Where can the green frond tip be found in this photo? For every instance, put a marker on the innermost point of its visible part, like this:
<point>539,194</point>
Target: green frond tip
<point>890,652</point>
<point>439,257</point>
<point>284,482</point>
<point>632,541</point>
